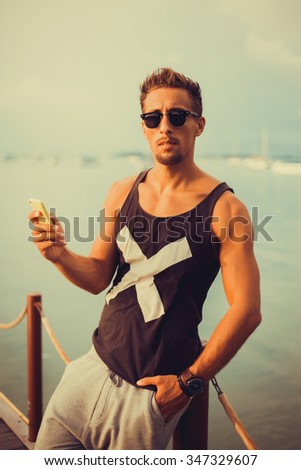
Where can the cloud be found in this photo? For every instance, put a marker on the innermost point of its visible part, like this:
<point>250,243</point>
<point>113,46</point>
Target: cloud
<point>273,51</point>
<point>31,94</point>
<point>271,29</point>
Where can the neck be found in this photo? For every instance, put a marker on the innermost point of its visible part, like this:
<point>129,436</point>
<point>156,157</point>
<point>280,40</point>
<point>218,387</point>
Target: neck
<point>175,176</point>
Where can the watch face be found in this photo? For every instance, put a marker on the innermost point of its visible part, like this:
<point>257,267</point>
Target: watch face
<point>195,386</point>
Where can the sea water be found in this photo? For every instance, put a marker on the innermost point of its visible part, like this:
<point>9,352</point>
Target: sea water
<point>263,381</point>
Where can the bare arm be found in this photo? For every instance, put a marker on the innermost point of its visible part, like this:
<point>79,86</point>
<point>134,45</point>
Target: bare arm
<point>92,273</point>
<point>240,276</point>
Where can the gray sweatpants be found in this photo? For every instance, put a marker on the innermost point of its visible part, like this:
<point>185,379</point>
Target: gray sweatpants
<point>93,408</point>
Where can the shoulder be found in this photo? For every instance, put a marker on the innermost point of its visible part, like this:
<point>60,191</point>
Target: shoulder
<point>231,217</point>
<point>118,193</point>
<point>229,205</point>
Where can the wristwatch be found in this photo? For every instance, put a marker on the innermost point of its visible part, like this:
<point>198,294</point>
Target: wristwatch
<point>190,384</point>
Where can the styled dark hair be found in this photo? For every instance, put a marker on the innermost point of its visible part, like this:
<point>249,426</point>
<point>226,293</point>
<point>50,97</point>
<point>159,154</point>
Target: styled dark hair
<point>168,78</point>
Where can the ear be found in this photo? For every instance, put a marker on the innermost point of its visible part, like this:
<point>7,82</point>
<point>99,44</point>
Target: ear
<point>201,122</point>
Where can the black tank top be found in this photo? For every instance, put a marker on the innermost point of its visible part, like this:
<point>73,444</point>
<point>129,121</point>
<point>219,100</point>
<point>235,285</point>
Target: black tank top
<point>149,324</point>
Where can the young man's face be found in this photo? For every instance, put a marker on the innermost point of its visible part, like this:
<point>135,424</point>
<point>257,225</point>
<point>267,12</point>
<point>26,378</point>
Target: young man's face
<point>170,144</point>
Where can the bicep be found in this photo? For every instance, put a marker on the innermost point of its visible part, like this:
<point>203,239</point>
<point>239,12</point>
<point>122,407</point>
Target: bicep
<point>240,273</point>
<point>106,255</point>
<point>104,249</point>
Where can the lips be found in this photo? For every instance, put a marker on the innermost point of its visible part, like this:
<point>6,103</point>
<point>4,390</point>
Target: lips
<point>167,143</point>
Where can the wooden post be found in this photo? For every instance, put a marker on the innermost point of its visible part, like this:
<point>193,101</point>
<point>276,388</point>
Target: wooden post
<point>192,429</point>
<point>34,365</point>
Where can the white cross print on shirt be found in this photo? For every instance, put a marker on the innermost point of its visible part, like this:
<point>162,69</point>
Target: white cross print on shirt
<point>143,269</point>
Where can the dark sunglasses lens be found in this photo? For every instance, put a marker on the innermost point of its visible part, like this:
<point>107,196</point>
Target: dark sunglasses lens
<point>177,118</point>
<point>152,120</point>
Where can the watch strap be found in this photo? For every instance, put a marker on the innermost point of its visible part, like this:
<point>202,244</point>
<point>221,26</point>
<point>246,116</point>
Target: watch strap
<point>182,385</point>
<point>186,375</point>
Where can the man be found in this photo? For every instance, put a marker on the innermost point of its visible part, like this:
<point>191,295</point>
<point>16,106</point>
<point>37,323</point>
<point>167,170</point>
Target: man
<point>167,231</point>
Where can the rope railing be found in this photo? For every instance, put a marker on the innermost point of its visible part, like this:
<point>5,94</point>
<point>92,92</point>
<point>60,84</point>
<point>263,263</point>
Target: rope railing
<point>51,334</point>
<point>12,324</point>
<point>46,325</point>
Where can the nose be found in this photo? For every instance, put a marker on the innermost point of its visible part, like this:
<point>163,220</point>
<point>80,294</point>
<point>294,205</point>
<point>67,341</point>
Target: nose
<point>165,126</point>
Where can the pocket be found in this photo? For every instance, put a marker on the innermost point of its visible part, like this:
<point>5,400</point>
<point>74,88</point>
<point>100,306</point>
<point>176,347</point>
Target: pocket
<point>102,401</point>
<point>155,410</point>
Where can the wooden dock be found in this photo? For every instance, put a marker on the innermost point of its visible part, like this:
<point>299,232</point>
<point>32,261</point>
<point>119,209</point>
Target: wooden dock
<point>13,427</point>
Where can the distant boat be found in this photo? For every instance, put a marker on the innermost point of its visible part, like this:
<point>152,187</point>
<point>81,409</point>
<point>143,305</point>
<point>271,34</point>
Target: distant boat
<point>89,160</point>
<point>136,158</point>
<point>234,161</point>
<point>286,168</point>
<point>10,157</point>
<point>52,161</point>
<point>257,162</point>
<point>37,157</point>
<point>260,161</point>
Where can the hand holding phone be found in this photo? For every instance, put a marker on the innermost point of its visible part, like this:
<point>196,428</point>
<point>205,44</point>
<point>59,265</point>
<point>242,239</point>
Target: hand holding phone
<point>50,241</point>
<point>38,205</point>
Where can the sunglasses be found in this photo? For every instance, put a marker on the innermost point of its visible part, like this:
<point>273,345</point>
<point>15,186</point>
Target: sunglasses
<point>177,118</point>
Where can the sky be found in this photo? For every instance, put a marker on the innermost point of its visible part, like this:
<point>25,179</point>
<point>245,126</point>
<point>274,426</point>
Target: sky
<point>71,70</point>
